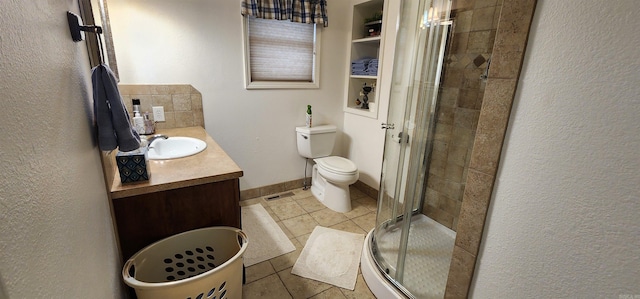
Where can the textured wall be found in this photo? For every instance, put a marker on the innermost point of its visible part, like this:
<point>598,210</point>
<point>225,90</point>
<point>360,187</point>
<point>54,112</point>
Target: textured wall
<point>563,222</point>
<point>56,236</point>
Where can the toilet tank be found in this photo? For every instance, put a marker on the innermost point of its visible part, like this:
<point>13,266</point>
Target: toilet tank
<point>316,141</point>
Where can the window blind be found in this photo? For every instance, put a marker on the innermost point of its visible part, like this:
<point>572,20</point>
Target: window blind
<point>281,50</point>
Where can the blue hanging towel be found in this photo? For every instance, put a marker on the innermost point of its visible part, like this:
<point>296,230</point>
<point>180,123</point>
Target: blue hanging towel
<point>114,127</point>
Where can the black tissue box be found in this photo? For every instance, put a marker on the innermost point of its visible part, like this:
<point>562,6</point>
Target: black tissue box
<point>133,165</point>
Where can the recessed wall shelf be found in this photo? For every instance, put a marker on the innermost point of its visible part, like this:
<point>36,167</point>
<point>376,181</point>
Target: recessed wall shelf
<point>373,39</point>
<point>364,45</point>
<point>363,77</point>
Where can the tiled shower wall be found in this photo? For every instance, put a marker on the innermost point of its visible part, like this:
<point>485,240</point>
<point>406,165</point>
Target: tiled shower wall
<point>468,49</point>
<point>182,103</point>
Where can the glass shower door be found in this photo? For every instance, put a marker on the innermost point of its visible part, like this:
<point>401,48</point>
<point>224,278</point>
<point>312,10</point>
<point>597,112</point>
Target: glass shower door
<point>420,47</point>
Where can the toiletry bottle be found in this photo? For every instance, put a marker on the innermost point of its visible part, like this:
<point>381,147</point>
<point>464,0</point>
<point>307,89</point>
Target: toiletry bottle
<point>136,105</point>
<point>308,120</point>
<point>149,126</point>
<point>138,122</point>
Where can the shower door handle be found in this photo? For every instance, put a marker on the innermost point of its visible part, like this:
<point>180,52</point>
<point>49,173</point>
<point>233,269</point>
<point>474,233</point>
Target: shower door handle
<point>402,137</point>
<point>388,126</point>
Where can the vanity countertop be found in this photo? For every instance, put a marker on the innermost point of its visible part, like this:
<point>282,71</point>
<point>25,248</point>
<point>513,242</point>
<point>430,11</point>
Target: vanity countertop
<point>208,166</point>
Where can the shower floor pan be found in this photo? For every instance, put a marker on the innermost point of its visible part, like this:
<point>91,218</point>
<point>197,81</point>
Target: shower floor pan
<point>428,256</point>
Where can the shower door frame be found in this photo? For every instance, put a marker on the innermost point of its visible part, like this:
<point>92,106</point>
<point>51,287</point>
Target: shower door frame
<point>420,103</point>
<point>512,35</point>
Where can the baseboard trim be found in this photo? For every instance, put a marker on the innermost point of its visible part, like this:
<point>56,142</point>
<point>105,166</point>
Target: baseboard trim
<point>366,189</point>
<point>273,189</point>
<point>295,184</point>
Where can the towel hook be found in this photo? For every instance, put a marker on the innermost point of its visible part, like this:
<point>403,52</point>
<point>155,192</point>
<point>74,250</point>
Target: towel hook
<point>76,28</point>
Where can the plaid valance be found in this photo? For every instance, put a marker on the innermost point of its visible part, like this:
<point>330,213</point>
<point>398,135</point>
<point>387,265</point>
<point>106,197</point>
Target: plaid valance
<point>300,11</point>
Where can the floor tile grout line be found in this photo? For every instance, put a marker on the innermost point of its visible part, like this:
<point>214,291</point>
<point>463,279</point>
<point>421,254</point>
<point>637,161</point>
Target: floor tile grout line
<point>265,204</point>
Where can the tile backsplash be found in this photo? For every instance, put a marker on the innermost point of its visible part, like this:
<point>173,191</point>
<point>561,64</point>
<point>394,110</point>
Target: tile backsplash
<point>182,103</point>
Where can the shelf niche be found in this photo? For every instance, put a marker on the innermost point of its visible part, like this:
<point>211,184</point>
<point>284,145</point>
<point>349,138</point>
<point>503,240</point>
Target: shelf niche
<point>364,45</point>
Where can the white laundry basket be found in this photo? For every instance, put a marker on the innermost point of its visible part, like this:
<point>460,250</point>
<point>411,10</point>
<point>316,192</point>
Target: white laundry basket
<point>204,263</point>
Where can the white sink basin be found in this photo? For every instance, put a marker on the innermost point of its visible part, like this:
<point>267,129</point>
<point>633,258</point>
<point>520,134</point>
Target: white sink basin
<point>175,147</point>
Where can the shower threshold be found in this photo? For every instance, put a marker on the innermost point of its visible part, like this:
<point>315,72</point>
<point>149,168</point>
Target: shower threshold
<point>427,260</point>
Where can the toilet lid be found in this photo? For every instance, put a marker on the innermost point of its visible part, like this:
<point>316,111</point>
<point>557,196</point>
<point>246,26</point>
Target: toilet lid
<point>337,164</point>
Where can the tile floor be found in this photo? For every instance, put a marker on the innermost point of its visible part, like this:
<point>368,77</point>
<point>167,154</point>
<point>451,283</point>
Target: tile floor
<point>298,215</point>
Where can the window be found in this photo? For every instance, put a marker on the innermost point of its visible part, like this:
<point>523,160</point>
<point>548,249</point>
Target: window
<point>280,54</point>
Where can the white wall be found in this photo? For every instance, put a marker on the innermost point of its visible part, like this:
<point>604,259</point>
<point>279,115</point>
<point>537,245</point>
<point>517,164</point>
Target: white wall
<point>564,220</point>
<point>56,236</point>
<point>199,42</point>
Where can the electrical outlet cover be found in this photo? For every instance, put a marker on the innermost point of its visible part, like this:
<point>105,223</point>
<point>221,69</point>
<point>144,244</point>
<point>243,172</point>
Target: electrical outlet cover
<point>158,113</point>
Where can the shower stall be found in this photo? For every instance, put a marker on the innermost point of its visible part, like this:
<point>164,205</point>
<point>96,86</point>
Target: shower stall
<point>442,53</point>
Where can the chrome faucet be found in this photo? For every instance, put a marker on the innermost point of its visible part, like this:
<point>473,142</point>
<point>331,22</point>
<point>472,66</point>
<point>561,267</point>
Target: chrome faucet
<point>154,137</point>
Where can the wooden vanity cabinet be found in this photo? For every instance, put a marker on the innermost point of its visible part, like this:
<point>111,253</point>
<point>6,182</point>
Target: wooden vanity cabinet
<point>146,218</point>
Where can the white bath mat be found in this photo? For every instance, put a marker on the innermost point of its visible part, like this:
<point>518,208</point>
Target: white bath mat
<point>266,239</point>
<point>331,256</point>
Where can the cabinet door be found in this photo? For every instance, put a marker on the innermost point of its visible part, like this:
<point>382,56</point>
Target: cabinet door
<point>147,218</point>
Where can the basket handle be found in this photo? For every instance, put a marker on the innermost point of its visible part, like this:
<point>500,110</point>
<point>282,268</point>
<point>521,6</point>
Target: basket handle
<point>242,238</point>
<point>129,270</point>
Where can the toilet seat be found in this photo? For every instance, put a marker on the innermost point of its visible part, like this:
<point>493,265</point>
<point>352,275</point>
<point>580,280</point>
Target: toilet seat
<point>337,165</point>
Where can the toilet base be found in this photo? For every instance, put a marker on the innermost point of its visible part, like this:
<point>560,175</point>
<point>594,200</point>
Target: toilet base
<point>336,198</point>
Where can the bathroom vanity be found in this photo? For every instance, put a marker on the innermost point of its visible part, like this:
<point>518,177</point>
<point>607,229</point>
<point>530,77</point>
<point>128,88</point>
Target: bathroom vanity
<point>181,194</point>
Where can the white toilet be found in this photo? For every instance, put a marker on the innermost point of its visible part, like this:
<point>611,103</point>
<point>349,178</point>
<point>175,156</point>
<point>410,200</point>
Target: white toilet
<point>331,175</point>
